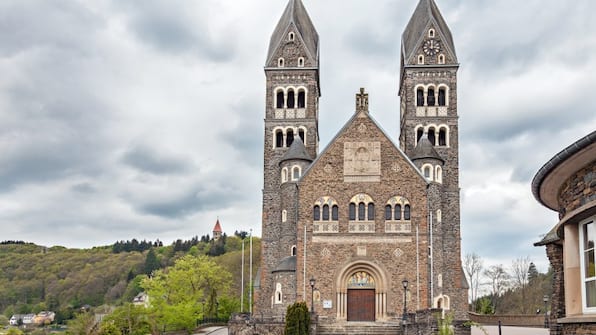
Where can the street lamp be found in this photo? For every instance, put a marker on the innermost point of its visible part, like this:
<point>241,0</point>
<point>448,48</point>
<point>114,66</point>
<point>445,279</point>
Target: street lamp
<point>312,294</point>
<point>545,299</point>
<point>404,283</point>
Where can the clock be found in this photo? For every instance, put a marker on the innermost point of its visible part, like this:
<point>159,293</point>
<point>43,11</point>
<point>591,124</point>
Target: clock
<point>431,47</point>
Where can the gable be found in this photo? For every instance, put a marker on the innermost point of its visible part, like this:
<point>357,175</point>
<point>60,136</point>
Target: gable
<point>290,48</point>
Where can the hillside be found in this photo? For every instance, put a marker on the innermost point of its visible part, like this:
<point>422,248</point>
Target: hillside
<point>35,278</point>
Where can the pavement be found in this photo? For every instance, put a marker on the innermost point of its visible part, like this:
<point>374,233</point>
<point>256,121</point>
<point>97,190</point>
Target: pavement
<point>505,330</point>
<point>213,331</point>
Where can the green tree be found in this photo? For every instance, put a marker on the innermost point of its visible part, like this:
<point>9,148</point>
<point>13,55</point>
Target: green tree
<point>127,320</point>
<point>297,319</point>
<point>151,262</point>
<point>82,324</point>
<point>178,295</point>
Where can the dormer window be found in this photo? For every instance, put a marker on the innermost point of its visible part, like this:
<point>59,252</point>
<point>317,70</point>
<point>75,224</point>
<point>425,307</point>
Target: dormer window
<point>280,62</point>
<point>431,33</point>
<point>301,62</point>
<point>291,36</point>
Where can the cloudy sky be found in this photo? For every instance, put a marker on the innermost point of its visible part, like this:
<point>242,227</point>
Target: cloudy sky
<point>124,119</point>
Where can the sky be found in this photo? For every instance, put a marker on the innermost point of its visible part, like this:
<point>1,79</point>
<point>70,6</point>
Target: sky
<point>124,119</point>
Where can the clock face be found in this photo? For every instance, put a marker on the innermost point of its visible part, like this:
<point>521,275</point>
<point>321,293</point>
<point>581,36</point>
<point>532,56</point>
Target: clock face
<point>431,47</point>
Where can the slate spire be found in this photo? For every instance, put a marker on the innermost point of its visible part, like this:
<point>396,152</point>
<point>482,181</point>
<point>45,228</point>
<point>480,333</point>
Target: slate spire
<point>297,151</point>
<point>295,15</point>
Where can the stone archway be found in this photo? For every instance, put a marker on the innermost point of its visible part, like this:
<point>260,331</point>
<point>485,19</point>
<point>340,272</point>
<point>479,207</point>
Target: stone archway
<point>361,292</point>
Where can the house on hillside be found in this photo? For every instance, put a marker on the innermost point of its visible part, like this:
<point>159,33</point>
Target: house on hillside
<point>141,299</point>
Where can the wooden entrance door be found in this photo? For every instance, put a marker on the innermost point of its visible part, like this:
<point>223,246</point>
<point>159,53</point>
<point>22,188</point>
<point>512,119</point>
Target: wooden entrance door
<point>361,305</point>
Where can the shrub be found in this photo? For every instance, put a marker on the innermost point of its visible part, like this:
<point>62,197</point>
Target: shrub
<point>297,319</point>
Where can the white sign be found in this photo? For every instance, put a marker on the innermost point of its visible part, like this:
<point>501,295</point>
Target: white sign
<point>327,304</point>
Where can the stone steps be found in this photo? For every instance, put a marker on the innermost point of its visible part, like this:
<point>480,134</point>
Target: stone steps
<point>359,328</point>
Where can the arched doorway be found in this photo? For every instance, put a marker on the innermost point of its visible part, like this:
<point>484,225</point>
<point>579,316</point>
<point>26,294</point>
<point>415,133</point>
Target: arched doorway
<point>361,297</point>
<point>361,292</point>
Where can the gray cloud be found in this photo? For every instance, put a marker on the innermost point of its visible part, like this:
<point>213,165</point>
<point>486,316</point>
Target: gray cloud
<point>147,160</point>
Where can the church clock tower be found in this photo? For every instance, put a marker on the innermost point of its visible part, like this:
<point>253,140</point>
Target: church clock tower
<point>429,136</point>
<point>291,141</point>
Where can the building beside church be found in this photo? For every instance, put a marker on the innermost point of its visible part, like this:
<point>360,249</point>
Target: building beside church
<point>567,185</point>
<point>366,213</point>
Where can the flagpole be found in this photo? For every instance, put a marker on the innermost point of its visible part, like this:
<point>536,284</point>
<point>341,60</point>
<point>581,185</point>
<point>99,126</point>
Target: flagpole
<point>250,279</point>
<point>242,281</point>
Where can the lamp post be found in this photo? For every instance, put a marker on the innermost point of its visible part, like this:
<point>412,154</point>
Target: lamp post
<point>312,294</point>
<point>546,323</point>
<point>404,320</point>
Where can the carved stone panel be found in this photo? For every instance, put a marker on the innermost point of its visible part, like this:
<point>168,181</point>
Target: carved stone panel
<point>362,161</point>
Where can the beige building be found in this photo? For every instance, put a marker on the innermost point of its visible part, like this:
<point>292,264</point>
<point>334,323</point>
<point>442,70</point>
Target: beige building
<point>567,185</point>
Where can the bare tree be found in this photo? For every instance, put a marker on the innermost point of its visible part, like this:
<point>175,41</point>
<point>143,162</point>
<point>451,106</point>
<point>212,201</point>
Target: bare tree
<point>499,280</point>
<point>519,270</point>
<point>473,269</point>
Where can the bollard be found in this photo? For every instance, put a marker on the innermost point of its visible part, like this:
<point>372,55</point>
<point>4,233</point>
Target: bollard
<point>499,327</point>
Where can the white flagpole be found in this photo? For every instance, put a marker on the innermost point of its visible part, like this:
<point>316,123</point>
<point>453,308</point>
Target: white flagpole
<point>242,282</point>
<point>250,280</point>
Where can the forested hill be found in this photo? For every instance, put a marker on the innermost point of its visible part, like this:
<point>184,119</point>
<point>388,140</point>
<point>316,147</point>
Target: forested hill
<point>35,278</point>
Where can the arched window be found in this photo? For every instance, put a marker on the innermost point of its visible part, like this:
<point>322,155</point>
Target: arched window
<point>398,212</point>
<point>279,138</point>
<point>300,62</point>
<point>439,216</point>
<point>419,97</point>
<point>284,175</point>
<point>352,211</point>
<point>316,215</point>
<point>291,36</point>
<point>419,134</point>
<point>293,250</point>
<point>431,33</point>
<point>284,216</point>
<point>371,212</point>
<point>441,59</point>
<point>278,294</point>
<point>291,99</point>
<point>443,137</point>
<point>420,59</point>
<point>388,212</point>
<point>430,98</point>
<point>427,171</point>
<point>361,211</point>
<point>325,212</point>
<point>442,97</point>
<point>290,138</point>
<point>301,135</point>
<point>334,213</point>
<point>280,62</point>
<point>431,135</point>
<point>279,99</point>
<point>295,173</point>
<point>407,212</point>
<point>301,99</point>
<point>438,174</point>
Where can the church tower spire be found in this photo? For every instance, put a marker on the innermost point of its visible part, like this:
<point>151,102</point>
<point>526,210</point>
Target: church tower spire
<point>291,116</point>
<point>429,132</point>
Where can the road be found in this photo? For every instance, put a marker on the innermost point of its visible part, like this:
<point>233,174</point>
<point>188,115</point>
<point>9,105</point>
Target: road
<point>494,330</point>
<point>214,331</point>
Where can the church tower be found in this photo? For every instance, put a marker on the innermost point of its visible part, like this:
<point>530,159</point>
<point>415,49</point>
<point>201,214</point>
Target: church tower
<point>291,142</point>
<point>429,136</point>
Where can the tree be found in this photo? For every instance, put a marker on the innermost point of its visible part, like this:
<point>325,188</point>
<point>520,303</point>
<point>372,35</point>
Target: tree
<point>179,295</point>
<point>297,319</point>
<point>532,273</point>
<point>473,269</point>
<point>151,262</point>
<point>520,272</point>
<point>126,320</point>
<point>499,279</point>
<point>82,324</point>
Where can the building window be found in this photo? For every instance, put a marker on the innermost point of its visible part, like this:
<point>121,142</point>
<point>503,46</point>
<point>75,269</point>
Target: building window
<point>431,135</point>
<point>438,174</point>
<point>278,294</point>
<point>397,212</point>
<point>430,99</point>
<point>420,60</point>
<point>300,62</point>
<point>316,213</point>
<point>280,62</point>
<point>419,97</point>
<point>334,213</point>
<point>295,173</point>
<point>442,97</point>
<point>290,138</point>
<point>301,99</point>
<point>301,135</point>
<point>588,261</point>
<point>325,212</point>
<point>441,59</point>
<point>291,36</point>
<point>431,33</point>
<point>293,250</point>
<point>371,212</point>
<point>291,99</point>
<point>284,216</point>
<point>419,134</point>
<point>442,137</point>
<point>388,211</point>
<point>279,138</point>
<point>427,171</point>
<point>352,211</point>
<point>361,211</point>
<point>279,100</point>
<point>407,212</point>
<point>284,175</point>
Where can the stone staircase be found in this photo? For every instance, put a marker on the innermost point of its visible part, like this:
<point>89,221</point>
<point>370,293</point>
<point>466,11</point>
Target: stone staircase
<point>359,328</point>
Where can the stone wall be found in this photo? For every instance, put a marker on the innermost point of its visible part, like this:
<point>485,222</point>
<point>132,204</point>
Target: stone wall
<point>519,320</point>
<point>578,190</point>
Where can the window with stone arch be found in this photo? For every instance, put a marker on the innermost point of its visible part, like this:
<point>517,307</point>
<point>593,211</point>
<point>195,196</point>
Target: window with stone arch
<point>279,98</point>
<point>291,36</point>
<point>296,172</point>
<point>284,175</point>
<point>407,213</point>
<point>302,134</point>
<point>291,98</point>
<point>443,136</point>
<point>278,293</point>
<point>301,98</point>
<point>362,208</point>
<point>289,137</point>
<point>430,97</point>
<point>419,133</point>
<point>301,62</point>
<point>441,59</point>
<point>280,62</point>
<point>419,97</point>
<point>284,216</point>
<point>439,174</point>
<point>420,60</point>
<point>443,95</point>
<point>327,209</point>
<point>279,138</point>
<point>431,33</point>
<point>427,171</point>
<point>394,208</point>
<point>293,251</point>
<point>439,216</point>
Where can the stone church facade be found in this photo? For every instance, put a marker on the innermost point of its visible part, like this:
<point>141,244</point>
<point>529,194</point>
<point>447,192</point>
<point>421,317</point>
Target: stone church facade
<point>365,214</point>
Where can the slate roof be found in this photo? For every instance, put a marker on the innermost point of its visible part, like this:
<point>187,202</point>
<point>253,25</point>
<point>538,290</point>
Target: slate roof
<point>296,14</point>
<point>425,13</point>
<point>287,264</point>
<point>297,151</point>
<point>425,149</point>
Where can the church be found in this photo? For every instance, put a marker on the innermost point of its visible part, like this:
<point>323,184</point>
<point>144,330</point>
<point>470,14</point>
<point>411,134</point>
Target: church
<point>367,229</point>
